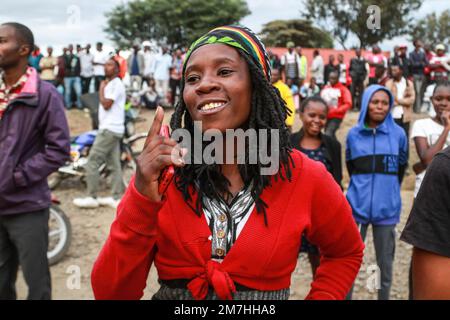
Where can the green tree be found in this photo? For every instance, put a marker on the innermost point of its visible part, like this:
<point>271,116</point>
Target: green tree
<point>175,22</point>
<point>432,29</point>
<point>345,17</point>
<point>278,32</point>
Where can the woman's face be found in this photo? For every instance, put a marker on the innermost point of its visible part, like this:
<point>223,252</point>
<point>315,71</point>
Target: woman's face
<point>218,87</point>
<point>378,107</point>
<point>314,118</point>
<point>441,100</point>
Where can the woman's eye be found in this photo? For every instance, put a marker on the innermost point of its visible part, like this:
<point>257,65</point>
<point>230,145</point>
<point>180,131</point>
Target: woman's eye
<point>225,72</point>
<point>191,79</point>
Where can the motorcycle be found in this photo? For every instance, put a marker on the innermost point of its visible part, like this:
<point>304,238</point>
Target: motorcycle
<point>59,233</point>
<point>82,144</point>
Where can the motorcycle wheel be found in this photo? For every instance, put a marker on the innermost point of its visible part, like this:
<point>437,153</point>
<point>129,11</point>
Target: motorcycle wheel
<point>59,235</point>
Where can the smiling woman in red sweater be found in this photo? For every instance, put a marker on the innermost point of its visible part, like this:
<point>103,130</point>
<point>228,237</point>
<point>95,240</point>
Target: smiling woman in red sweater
<point>227,231</point>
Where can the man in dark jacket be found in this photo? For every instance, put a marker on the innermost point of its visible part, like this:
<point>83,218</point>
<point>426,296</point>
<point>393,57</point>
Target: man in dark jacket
<point>401,59</point>
<point>358,72</point>
<point>34,142</point>
<point>418,61</point>
<point>329,68</point>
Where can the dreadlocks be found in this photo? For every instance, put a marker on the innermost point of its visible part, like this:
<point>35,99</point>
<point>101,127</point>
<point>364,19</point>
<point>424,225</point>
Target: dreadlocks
<point>268,111</point>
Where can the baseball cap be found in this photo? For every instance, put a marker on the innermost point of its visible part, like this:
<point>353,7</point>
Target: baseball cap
<point>290,44</point>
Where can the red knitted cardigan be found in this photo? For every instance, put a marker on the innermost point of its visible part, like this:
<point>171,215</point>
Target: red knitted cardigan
<point>170,235</point>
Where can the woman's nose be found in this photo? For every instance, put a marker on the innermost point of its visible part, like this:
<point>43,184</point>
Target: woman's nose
<point>207,84</point>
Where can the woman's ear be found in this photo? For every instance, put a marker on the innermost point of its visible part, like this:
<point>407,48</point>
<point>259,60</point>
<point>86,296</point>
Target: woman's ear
<point>300,115</point>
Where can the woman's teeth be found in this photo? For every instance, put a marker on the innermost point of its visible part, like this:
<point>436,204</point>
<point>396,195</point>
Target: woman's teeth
<point>212,105</point>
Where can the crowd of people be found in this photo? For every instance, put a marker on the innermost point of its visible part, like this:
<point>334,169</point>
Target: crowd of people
<point>341,84</point>
<point>386,93</point>
<point>227,80</point>
<point>153,73</point>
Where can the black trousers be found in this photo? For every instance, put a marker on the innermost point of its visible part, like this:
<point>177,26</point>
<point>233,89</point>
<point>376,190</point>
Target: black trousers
<point>357,89</point>
<point>332,126</point>
<point>24,242</point>
<point>405,126</point>
<point>85,84</point>
<point>174,84</point>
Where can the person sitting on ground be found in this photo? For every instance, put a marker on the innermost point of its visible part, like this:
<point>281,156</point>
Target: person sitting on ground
<point>149,96</point>
<point>310,89</point>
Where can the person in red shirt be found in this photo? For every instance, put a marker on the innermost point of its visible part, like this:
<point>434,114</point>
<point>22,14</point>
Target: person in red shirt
<point>227,230</point>
<point>439,65</point>
<point>339,100</point>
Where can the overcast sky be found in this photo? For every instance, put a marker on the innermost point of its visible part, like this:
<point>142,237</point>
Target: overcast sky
<point>59,22</point>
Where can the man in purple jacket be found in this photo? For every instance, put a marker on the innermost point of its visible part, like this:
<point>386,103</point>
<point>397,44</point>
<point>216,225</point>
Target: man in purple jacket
<point>34,141</point>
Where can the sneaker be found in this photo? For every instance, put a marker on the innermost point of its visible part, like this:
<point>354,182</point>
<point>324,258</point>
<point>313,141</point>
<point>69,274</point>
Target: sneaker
<point>87,202</point>
<point>108,201</point>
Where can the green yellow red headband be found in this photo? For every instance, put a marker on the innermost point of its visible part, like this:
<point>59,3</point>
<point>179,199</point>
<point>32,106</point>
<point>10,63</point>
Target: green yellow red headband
<point>238,37</point>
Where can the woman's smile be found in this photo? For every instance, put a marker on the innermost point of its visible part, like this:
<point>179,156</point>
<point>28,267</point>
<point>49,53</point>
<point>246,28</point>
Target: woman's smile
<point>208,108</point>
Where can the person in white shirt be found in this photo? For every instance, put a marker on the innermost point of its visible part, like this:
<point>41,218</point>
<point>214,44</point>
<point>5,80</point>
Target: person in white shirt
<point>163,63</point>
<point>317,67</point>
<point>149,61</point>
<point>342,69</point>
<point>291,65</point>
<point>87,69</point>
<point>100,58</point>
<point>432,135</point>
<point>404,96</point>
<point>106,148</point>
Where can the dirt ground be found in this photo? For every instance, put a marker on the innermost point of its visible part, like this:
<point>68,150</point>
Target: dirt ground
<point>91,228</point>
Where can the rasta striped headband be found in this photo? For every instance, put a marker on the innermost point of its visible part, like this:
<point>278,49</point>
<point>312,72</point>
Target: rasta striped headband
<point>238,37</point>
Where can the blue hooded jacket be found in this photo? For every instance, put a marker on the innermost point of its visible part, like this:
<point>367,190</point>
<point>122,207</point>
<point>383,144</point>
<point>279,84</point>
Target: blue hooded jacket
<point>376,159</point>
